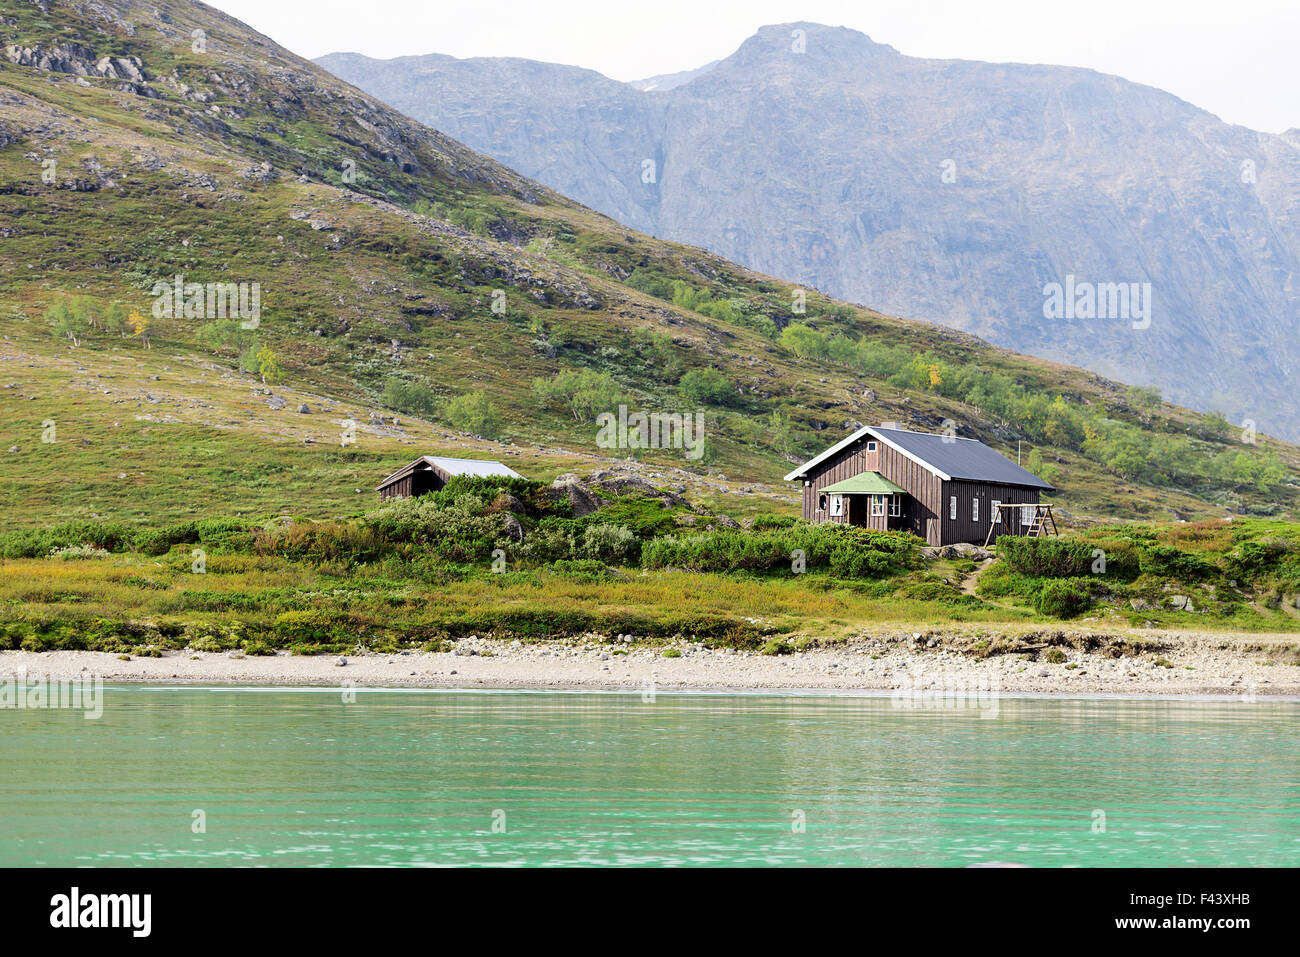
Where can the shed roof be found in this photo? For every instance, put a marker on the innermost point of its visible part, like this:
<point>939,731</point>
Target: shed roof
<point>477,467</point>
<point>865,483</point>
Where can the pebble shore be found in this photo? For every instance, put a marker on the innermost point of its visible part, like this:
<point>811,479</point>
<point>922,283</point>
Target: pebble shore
<point>1236,665</point>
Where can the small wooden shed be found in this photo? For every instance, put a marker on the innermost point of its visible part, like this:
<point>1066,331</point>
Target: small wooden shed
<point>429,473</point>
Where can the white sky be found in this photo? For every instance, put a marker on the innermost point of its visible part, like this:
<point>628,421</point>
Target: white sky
<point>1238,60</point>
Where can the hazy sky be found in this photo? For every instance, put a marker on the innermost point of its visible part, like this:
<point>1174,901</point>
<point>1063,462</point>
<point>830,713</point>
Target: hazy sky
<point>1238,60</point>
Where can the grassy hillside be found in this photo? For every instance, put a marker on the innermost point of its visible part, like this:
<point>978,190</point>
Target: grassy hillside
<point>380,249</point>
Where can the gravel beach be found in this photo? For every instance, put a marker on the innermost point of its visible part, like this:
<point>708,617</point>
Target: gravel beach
<point>1055,662</point>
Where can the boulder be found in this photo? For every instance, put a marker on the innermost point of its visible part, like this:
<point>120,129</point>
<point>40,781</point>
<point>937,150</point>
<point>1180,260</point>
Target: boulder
<point>582,499</point>
<point>634,485</point>
<point>958,550</point>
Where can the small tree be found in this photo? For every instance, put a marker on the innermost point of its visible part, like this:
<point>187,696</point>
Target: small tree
<point>473,412</point>
<point>66,322</point>
<point>1145,399</point>
<point>116,319</point>
<point>268,366</point>
<point>140,327</point>
<point>85,308</point>
<point>1044,470</point>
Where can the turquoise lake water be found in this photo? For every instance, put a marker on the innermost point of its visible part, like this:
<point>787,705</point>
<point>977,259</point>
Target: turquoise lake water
<point>513,778</point>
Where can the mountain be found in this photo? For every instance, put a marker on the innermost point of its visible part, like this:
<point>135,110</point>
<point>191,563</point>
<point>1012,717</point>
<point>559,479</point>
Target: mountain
<point>946,190</point>
<point>670,81</point>
<point>400,294</point>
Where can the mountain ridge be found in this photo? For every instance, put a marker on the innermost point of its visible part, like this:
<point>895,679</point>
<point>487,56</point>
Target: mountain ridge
<point>820,168</point>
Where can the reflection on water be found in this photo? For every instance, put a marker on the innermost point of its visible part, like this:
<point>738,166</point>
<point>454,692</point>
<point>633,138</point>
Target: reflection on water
<point>302,778</point>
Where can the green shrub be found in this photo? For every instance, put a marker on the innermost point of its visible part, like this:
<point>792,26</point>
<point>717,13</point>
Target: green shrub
<point>849,561</point>
<point>458,530</point>
<point>1063,598</point>
<point>847,551</point>
<point>1169,562</point>
<point>1252,559</point>
<point>1046,557</point>
<point>582,570</point>
<point>613,544</point>
<point>474,413</point>
<point>414,398</point>
<point>706,385</point>
<point>767,522</point>
<point>320,542</point>
<point>39,542</point>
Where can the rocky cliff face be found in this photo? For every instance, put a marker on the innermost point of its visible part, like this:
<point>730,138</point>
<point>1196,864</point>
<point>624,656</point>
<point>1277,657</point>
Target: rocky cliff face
<point>946,190</point>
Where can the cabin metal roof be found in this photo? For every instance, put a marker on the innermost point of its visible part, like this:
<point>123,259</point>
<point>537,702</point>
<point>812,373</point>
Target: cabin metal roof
<point>865,483</point>
<point>956,458</point>
<point>947,456</point>
<point>483,468</point>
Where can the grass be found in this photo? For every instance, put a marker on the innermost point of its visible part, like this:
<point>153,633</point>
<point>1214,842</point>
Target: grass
<point>249,594</point>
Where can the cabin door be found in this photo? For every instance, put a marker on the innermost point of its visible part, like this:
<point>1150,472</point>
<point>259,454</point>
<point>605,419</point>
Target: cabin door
<point>856,508</point>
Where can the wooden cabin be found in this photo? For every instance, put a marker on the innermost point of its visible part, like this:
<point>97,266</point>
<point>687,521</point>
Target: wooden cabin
<point>941,488</point>
<point>429,473</point>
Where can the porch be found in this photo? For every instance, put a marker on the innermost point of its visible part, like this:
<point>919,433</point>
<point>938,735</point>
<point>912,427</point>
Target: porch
<point>868,500</point>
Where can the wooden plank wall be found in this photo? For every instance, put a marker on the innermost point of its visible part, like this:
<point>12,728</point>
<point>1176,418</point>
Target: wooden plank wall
<point>965,528</point>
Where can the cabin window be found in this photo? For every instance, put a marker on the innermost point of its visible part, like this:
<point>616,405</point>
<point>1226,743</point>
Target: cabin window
<point>877,506</point>
<point>837,504</point>
<point>895,506</point>
<point>997,513</point>
<point>1026,516</point>
<point>952,508</point>
<point>871,446</point>
<point>821,503</point>
<point>974,510</point>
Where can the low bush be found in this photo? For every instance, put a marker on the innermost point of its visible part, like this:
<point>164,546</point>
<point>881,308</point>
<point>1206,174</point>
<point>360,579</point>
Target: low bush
<point>847,551</point>
<point>1063,598</point>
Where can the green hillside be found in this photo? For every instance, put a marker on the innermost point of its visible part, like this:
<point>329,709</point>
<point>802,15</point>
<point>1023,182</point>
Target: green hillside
<point>444,304</point>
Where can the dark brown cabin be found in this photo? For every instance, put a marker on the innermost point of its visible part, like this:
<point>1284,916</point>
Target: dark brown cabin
<point>429,473</point>
<point>941,488</point>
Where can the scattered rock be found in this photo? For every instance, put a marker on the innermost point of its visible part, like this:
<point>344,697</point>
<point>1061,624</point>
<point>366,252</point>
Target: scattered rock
<point>581,499</point>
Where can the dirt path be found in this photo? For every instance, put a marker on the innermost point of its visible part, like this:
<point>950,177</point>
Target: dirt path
<point>972,579</point>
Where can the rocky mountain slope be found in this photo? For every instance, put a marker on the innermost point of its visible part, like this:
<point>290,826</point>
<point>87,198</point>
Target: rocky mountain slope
<point>952,191</point>
<point>417,297</point>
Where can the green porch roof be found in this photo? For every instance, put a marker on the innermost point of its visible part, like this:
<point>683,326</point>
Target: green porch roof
<point>865,483</point>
